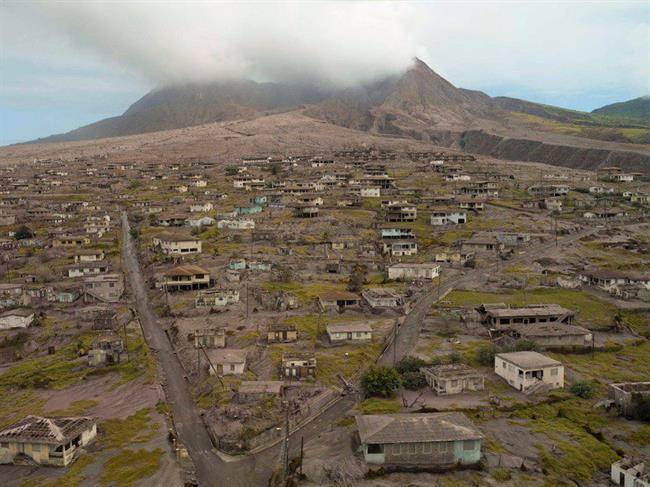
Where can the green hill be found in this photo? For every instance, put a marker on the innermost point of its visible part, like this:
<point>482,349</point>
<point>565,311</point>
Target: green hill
<point>639,108</point>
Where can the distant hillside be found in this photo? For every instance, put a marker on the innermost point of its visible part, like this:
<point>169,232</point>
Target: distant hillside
<point>636,108</point>
<point>196,104</point>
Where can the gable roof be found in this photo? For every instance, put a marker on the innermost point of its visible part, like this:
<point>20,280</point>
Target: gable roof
<point>416,428</point>
<point>37,429</point>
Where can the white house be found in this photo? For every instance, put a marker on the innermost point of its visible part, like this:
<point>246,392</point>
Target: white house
<point>525,370</point>
<point>236,224</point>
<point>349,332</point>
<point>630,473</point>
<point>228,361</point>
<point>448,217</point>
<point>170,244</point>
<point>413,271</point>
<point>47,441</point>
<point>16,318</point>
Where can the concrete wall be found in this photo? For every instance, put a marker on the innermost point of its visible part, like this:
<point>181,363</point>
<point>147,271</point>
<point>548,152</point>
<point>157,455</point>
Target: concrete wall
<point>436,454</point>
<point>524,380</point>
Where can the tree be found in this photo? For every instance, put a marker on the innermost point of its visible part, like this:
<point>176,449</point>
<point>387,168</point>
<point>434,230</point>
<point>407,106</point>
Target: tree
<point>410,364</point>
<point>357,278</point>
<point>380,381</point>
<point>23,232</point>
<point>455,357</point>
<point>485,354</point>
<point>583,389</point>
<point>283,273</point>
<point>414,380</point>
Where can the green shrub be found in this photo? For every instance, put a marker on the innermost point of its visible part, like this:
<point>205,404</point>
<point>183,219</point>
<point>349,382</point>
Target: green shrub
<point>380,381</point>
<point>485,354</point>
<point>583,389</point>
<point>410,364</point>
<point>413,380</point>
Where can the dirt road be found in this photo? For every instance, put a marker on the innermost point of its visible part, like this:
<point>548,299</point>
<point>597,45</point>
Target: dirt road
<point>191,432</point>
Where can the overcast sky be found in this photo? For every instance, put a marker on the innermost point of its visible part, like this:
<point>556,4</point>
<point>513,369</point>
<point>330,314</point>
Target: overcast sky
<point>67,64</point>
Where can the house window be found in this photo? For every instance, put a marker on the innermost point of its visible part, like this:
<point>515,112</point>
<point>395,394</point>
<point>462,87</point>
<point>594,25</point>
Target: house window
<point>468,445</point>
<point>232,367</point>
<point>36,447</point>
<point>427,448</point>
<point>442,447</point>
<point>375,448</point>
<point>4,445</point>
<point>413,448</point>
<point>553,371</point>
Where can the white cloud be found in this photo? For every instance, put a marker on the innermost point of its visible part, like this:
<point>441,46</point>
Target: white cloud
<point>567,50</point>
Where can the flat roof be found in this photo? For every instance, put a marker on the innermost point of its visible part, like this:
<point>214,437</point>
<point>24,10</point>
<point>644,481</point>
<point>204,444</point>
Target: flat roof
<point>528,359</point>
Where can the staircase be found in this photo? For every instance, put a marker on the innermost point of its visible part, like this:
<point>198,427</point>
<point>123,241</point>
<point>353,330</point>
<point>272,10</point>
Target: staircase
<point>538,388</point>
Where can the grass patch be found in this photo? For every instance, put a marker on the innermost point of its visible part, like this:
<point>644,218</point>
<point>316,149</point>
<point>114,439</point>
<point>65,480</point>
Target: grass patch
<point>71,478</point>
<point>306,293</point>
<point>77,408</point>
<point>136,428</point>
<point>128,467</point>
<point>18,403</point>
<point>641,436</point>
<point>628,364</point>
<point>376,405</point>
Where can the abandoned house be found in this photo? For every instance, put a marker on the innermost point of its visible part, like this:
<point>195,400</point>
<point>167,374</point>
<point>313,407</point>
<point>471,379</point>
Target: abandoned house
<point>209,338</point>
<point>172,244</point>
<point>87,269</point>
<point>215,298</point>
<point>400,248</point>
<point>553,335</point>
<point>298,365</point>
<point>305,210</point>
<point>529,371</point>
<point>185,277</point>
<point>170,220</point>
<point>88,255</point>
<point>413,271</point>
<point>500,316</point>
<point>104,288</point>
<point>383,297</point>
<point>629,472</point>
<point>70,241</point>
<point>338,301</point>
<point>47,441</point>
<point>448,217</point>
<point>623,395</point>
<point>349,332</point>
<point>16,318</point>
<point>453,378</point>
<point>281,333</point>
<point>401,213</point>
<point>425,440</point>
<point>254,389</point>
<point>227,361</point>
<point>106,349</point>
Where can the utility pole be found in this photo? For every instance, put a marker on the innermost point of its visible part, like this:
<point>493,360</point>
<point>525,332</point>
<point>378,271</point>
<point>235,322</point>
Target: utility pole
<point>285,444</point>
<point>198,361</point>
<point>302,442</point>
<point>395,343</point>
<point>126,344</point>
